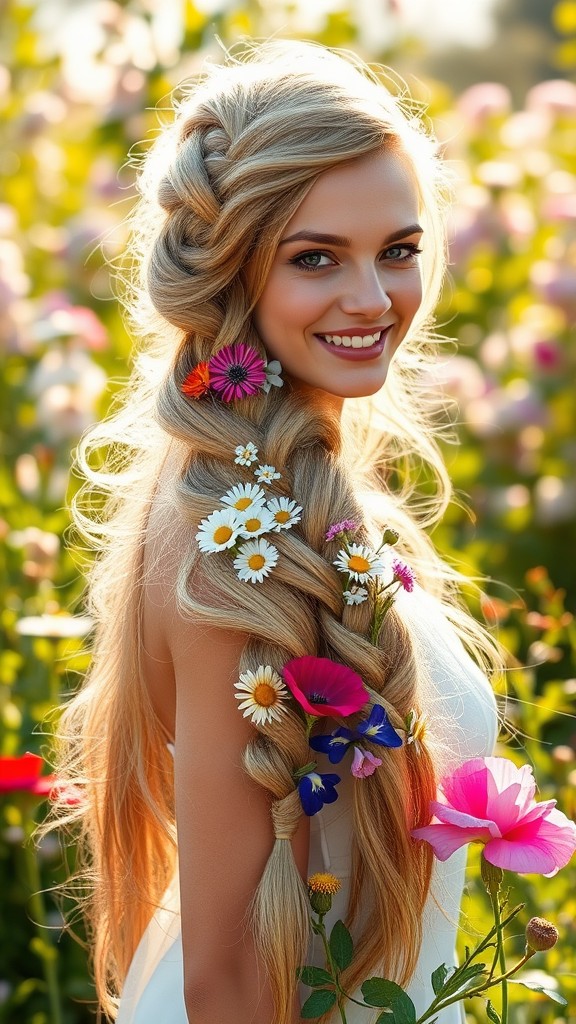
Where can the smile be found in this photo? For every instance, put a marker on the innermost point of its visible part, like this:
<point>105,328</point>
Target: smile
<point>352,340</point>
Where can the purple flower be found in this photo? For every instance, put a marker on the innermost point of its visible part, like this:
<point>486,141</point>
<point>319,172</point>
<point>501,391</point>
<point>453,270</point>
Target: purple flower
<point>315,790</point>
<point>364,763</point>
<point>346,526</point>
<point>403,573</point>
<point>236,372</point>
<point>377,729</point>
<point>335,745</point>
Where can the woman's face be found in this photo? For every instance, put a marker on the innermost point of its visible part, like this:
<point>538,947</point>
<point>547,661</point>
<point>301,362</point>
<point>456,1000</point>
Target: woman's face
<point>345,282</point>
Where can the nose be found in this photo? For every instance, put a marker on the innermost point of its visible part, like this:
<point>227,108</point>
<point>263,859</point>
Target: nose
<point>366,294</point>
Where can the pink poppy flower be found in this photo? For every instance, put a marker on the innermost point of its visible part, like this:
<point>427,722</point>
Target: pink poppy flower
<point>491,801</point>
<point>324,687</point>
<point>364,763</point>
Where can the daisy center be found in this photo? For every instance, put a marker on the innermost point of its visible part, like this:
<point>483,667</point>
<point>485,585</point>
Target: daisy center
<point>282,516</point>
<point>242,504</point>
<point>236,373</point>
<point>356,563</point>
<point>265,695</point>
<point>252,525</point>
<point>222,534</point>
<point>256,562</point>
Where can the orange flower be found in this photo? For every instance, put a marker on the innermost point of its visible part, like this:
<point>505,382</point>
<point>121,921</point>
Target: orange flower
<point>197,382</point>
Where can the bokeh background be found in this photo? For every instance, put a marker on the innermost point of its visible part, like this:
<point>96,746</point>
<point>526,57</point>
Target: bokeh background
<point>78,83</point>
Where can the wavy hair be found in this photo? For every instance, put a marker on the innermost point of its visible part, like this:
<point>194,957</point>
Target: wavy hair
<point>247,142</point>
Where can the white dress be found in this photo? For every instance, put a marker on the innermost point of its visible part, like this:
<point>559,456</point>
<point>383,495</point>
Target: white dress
<point>462,719</point>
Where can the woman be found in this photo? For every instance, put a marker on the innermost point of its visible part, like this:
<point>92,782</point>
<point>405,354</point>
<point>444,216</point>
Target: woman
<point>289,251</point>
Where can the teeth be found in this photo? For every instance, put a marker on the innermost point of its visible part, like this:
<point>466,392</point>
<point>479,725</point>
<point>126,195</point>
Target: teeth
<point>356,341</point>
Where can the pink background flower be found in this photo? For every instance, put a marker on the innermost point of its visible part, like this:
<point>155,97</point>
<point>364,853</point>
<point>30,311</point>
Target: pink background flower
<point>491,801</point>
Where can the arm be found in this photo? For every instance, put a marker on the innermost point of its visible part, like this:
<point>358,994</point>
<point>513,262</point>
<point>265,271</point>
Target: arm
<point>224,830</point>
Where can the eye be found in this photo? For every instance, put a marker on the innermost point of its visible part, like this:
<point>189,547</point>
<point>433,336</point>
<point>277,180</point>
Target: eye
<point>313,260</point>
<point>403,253</point>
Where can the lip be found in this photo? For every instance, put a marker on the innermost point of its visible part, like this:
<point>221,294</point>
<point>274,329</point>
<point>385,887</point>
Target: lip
<point>356,354</point>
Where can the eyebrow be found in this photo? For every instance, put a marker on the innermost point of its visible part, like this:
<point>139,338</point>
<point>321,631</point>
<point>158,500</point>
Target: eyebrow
<point>341,240</point>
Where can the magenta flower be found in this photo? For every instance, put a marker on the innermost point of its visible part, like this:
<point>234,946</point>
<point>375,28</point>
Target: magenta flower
<point>324,687</point>
<point>346,526</point>
<point>236,372</point>
<point>364,763</point>
<point>403,574</point>
<point>491,801</point>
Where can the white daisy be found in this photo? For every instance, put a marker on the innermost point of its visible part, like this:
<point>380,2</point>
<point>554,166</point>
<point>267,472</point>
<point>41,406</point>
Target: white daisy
<point>360,561</point>
<point>272,371</point>
<point>246,454</point>
<point>244,496</point>
<point>256,560</point>
<point>255,521</point>
<point>219,530</point>
<point>266,474</point>
<point>356,595</point>
<point>262,693</point>
<point>285,512</point>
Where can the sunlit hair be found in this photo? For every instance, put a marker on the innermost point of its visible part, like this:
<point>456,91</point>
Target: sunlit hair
<point>247,142</point>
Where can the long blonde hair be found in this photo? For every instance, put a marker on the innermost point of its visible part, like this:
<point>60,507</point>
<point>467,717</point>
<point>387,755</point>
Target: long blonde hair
<point>248,141</point>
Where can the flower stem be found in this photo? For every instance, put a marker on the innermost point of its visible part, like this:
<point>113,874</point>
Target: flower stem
<point>501,956</point>
<point>38,914</point>
<point>332,967</point>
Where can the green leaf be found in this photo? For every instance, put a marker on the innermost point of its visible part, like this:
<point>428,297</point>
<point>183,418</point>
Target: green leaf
<point>438,978</point>
<point>535,987</point>
<point>492,1014</point>
<point>313,976</point>
<point>317,1004</point>
<point>380,992</point>
<point>341,945</point>
<point>462,977</point>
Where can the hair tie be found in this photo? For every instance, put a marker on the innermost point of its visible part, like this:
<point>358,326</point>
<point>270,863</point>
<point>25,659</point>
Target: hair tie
<point>286,815</point>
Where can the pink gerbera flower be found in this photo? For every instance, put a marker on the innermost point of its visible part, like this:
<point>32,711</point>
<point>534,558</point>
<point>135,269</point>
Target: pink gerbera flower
<point>237,372</point>
<point>324,687</point>
<point>491,801</point>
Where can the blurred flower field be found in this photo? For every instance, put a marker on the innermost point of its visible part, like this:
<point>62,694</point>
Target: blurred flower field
<point>76,87</point>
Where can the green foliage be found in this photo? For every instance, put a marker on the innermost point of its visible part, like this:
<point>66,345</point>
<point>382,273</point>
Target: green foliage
<point>76,96</point>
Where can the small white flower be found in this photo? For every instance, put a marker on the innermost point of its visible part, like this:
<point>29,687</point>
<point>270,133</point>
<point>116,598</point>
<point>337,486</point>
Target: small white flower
<point>244,496</point>
<point>272,371</point>
<point>256,560</point>
<point>246,454</point>
<point>266,474</point>
<point>360,562</point>
<point>255,521</point>
<point>219,530</point>
<point>262,693</point>
<point>285,512</point>
<point>356,595</point>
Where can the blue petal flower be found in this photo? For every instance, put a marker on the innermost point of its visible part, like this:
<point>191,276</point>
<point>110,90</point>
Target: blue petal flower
<point>377,729</point>
<point>335,745</point>
<point>316,790</point>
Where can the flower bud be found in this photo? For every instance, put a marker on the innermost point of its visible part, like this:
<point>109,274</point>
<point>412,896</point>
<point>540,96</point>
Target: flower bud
<point>540,934</point>
<point>321,888</point>
<point>390,536</point>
